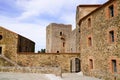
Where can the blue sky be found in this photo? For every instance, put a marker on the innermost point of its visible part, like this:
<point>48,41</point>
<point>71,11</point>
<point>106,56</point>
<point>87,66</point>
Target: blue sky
<point>29,18</point>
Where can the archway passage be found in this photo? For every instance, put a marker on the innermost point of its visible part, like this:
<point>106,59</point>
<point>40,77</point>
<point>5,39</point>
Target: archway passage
<point>75,65</point>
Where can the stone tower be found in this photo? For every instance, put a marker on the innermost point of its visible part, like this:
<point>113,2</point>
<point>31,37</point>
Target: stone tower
<point>56,35</point>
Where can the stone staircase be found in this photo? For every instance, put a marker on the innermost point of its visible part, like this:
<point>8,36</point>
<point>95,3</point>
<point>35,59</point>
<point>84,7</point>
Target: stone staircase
<point>8,60</point>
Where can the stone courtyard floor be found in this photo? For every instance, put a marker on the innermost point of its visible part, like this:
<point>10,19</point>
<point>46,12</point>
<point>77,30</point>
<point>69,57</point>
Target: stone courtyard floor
<point>35,76</point>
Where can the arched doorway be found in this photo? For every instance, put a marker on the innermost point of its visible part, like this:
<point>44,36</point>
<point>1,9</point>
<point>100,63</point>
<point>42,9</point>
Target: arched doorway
<point>75,65</point>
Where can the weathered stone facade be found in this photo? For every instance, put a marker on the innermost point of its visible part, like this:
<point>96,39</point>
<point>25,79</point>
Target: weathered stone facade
<point>62,60</point>
<point>56,35</point>
<point>11,43</point>
<point>95,43</point>
<point>21,54</point>
<point>100,41</point>
<point>70,46</point>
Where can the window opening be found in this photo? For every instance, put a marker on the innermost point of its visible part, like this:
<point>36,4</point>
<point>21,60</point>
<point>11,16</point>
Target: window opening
<point>111,36</point>
<point>91,63</point>
<point>111,11</point>
<point>114,66</point>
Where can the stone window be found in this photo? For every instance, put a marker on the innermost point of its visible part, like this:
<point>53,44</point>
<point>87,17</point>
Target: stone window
<point>63,44</point>
<point>111,11</point>
<point>61,33</point>
<point>111,36</point>
<point>91,63</point>
<point>89,22</point>
<point>1,37</point>
<point>89,41</point>
<point>114,66</point>
<point>0,50</point>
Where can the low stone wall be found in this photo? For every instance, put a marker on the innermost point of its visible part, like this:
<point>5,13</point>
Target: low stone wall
<point>47,59</point>
<point>42,70</point>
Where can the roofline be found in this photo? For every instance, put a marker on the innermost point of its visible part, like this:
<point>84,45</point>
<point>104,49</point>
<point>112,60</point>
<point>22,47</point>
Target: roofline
<point>8,30</point>
<point>89,5</point>
<point>96,10</point>
<point>15,33</point>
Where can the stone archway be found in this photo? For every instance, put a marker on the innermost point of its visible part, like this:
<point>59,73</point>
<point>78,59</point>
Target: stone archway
<point>75,65</point>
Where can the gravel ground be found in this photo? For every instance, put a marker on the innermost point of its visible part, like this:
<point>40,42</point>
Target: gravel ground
<point>35,76</point>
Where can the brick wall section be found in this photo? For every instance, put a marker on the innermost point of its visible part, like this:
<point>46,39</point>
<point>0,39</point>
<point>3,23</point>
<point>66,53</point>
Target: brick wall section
<point>47,59</point>
<point>101,51</point>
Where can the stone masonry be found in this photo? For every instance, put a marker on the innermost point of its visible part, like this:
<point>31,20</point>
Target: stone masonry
<point>11,43</point>
<point>56,35</point>
<point>100,41</point>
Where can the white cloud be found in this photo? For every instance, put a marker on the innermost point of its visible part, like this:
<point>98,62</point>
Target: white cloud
<point>33,10</point>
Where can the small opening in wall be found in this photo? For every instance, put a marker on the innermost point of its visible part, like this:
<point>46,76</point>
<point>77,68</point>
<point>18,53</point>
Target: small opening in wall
<point>114,66</point>
<point>1,37</point>
<point>111,36</point>
<point>89,41</point>
<point>89,22</point>
<point>111,11</point>
<point>61,33</point>
<point>0,50</point>
<point>57,51</point>
<point>91,63</point>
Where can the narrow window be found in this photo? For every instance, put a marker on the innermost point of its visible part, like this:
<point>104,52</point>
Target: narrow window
<point>111,11</point>
<point>89,22</point>
<point>89,41</point>
<point>60,33</point>
<point>63,44</point>
<point>91,63</point>
<point>0,50</point>
<point>111,36</point>
<point>114,66</point>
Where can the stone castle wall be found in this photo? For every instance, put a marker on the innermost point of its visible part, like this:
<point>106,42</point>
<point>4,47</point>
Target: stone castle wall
<point>70,46</point>
<point>47,59</point>
<point>101,51</point>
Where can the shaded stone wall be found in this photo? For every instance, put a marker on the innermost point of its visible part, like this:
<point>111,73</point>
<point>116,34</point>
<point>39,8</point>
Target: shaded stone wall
<point>25,45</point>
<point>101,52</point>
<point>47,59</point>
<point>71,43</point>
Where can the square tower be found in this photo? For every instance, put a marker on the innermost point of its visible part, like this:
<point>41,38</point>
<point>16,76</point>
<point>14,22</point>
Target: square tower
<point>56,35</point>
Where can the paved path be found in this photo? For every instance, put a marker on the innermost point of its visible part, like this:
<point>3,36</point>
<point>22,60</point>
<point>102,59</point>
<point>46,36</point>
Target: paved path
<point>22,76</point>
<point>36,76</point>
<point>77,76</point>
